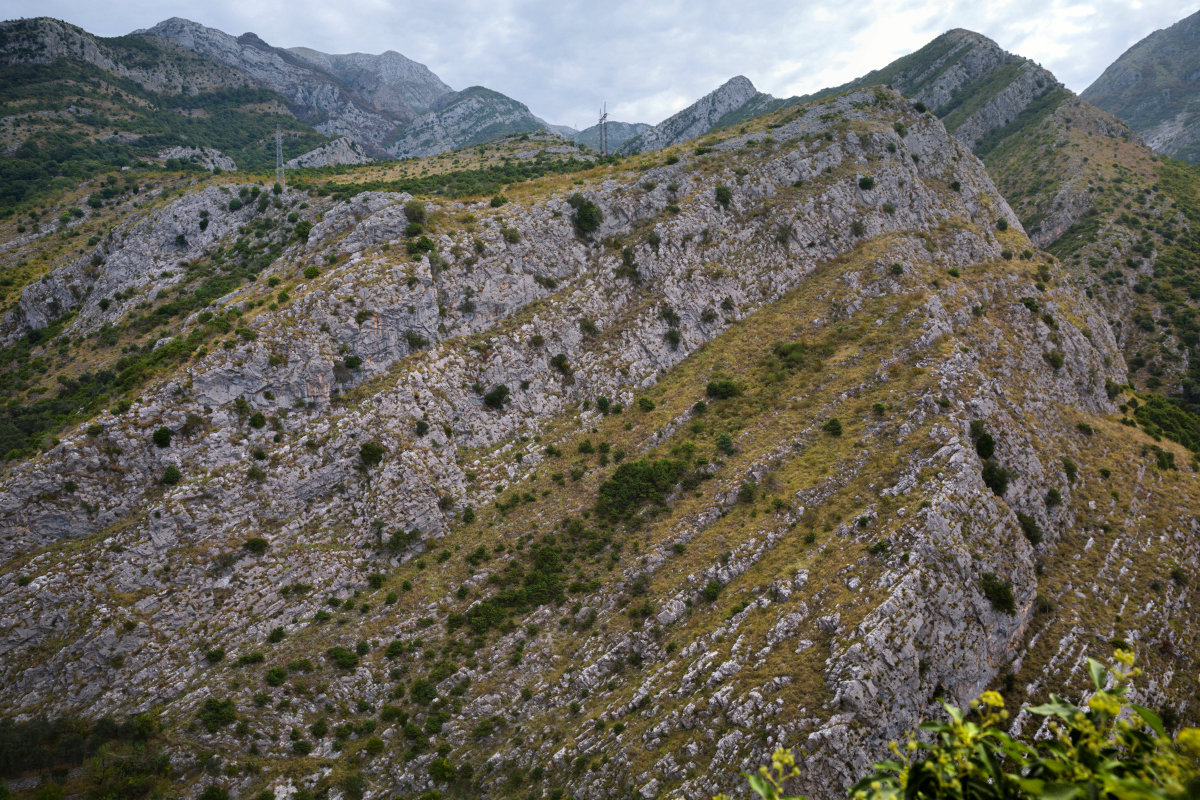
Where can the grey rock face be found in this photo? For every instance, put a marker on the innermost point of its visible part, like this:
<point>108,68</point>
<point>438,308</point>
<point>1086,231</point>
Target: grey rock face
<point>161,68</point>
<point>464,118</point>
<point>1154,88</point>
<point>339,151</point>
<point>618,133</point>
<point>389,81</point>
<point>206,157</point>
<point>473,116</point>
<point>318,97</point>
<point>697,119</point>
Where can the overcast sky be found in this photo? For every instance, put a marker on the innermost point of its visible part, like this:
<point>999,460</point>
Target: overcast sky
<point>649,58</point>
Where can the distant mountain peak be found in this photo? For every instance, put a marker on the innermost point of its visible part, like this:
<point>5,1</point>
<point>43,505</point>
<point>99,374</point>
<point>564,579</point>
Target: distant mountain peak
<point>735,94</point>
<point>1155,88</point>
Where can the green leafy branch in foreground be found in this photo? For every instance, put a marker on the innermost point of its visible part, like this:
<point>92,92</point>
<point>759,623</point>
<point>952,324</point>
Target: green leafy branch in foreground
<point>1111,748</point>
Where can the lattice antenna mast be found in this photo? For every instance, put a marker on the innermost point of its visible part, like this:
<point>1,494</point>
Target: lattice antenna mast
<point>280,176</point>
<point>604,129</point>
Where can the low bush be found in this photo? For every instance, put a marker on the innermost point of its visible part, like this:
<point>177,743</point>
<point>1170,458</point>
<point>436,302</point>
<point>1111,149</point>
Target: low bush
<point>722,389</point>
<point>995,477</point>
<point>342,657</point>
<point>998,591</point>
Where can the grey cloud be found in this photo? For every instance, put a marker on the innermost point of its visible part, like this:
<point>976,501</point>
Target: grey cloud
<point>649,59</point>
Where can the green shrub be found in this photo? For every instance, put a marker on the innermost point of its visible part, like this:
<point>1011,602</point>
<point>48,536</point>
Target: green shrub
<point>257,420</point>
<point>1106,748</point>
<point>985,446</point>
<point>1055,359</point>
<point>342,657</point>
<point>724,443</point>
<point>995,477</point>
<point>1002,224</point>
<point>1053,498</point>
<point>215,655</point>
<point>866,182</point>
<point>1030,527</point>
<point>498,200</point>
<point>496,398</point>
<point>442,771</point>
<point>415,211</point>
<point>256,545</point>
<point>645,404</point>
<point>94,430</point>
<point>559,362</point>
<point>423,691</point>
<point>311,271</point>
<point>171,475</point>
<point>277,635</point>
<point>998,591</point>
<point>722,389</point>
<point>636,483</point>
<point>371,453</point>
<point>276,676</point>
<point>216,714</point>
<point>587,216</point>
<point>711,591</point>
<point>833,427</point>
<point>302,229</point>
<point>724,195</point>
<point>1070,468</point>
<point>162,437</point>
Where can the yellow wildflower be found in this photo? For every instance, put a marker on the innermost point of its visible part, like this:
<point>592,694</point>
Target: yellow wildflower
<point>1104,703</point>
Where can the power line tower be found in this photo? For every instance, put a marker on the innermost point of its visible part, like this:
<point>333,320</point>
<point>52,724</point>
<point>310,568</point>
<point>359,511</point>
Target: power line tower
<point>280,177</point>
<point>604,129</point>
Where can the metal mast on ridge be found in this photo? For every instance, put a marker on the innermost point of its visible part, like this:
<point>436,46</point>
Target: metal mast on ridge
<point>280,177</point>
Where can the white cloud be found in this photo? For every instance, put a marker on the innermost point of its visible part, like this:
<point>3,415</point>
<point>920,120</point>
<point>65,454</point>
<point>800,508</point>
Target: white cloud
<point>649,59</point>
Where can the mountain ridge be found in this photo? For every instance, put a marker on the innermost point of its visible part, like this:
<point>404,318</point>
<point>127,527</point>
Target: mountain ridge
<point>1155,87</point>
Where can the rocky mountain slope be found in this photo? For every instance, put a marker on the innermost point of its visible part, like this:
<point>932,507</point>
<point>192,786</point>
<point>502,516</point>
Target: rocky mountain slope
<point>323,99</point>
<point>390,81</point>
<point>387,103</point>
<point>76,105</point>
<point>734,100</point>
<point>472,116</point>
<point>618,133</point>
<point>1083,184</point>
<point>610,485</point>
<point>1154,87</point>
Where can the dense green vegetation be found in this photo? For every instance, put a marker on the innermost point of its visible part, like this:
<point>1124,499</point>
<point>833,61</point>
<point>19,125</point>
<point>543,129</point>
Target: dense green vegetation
<point>637,483</point>
<point>122,760</point>
<point>1015,134</point>
<point>98,122</point>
